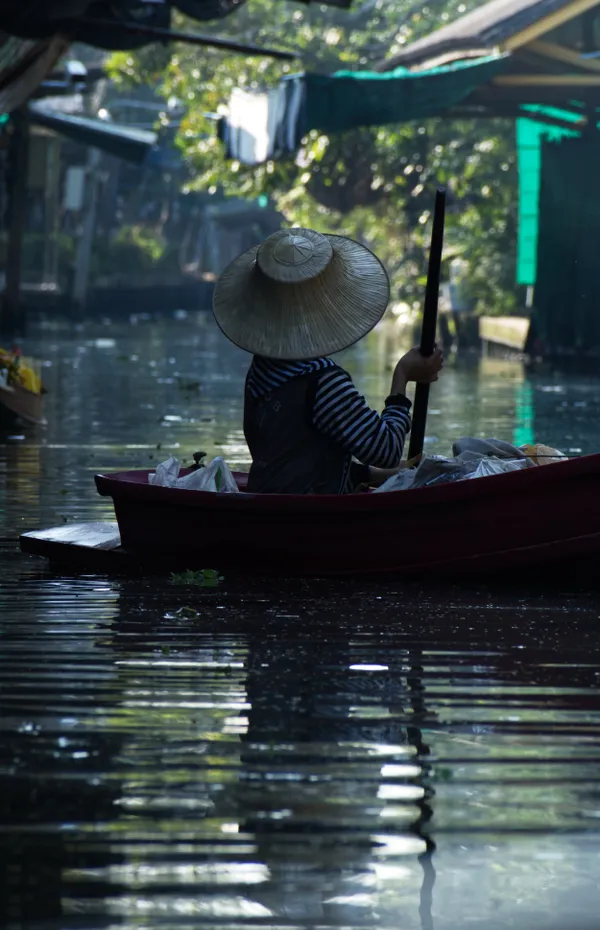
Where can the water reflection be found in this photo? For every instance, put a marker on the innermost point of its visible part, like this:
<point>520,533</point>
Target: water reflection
<point>331,775</point>
<point>296,759</point>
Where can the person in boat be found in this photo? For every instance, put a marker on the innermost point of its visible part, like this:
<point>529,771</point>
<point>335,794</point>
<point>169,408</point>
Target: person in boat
<point>292,302</point>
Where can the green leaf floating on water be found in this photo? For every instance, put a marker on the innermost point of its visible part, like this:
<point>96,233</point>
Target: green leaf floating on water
<point>444,774</point>
<point>205,578</point>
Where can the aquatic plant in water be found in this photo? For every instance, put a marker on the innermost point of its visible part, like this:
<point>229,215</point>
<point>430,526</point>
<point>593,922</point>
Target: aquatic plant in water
<point>205,578</point>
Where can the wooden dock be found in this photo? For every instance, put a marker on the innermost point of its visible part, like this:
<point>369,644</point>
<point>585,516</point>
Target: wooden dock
<point>509,332</point>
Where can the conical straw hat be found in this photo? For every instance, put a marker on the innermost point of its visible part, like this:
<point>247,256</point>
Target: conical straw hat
<point>301,295</point>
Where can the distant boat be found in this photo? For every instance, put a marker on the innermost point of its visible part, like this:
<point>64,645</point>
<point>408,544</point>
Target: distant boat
<point>21,389</point>
<point>18,402</point>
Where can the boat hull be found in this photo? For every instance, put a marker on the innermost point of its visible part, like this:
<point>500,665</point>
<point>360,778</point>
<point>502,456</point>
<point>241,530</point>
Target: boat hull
<point>537,516</point>
<point>19,403</point>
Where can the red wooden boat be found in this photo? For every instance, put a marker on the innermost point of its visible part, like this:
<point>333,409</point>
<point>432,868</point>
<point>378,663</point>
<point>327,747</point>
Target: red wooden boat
<point>496,524</point>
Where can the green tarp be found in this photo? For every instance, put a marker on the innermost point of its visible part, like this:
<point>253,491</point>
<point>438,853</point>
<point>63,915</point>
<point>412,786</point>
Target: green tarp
<point>348,99</point>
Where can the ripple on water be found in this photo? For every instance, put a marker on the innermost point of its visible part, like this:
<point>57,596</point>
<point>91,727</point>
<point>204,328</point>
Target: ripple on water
<point>301,756</point>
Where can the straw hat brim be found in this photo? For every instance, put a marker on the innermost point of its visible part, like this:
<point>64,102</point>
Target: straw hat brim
<point>306,320</point>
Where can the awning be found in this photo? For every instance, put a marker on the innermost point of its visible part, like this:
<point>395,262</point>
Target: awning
<point>265,126</point>
<point>349,99</point>
<point>130,144</point>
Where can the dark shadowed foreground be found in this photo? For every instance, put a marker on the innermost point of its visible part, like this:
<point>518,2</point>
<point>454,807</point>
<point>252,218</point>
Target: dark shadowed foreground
<point>267,755</point>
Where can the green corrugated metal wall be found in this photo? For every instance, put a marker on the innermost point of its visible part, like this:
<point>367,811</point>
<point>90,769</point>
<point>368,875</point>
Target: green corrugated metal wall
<point>530,135</point>
<point>567,295</point>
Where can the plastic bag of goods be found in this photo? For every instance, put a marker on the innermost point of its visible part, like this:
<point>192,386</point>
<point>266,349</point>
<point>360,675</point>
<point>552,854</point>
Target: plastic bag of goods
<point>543,455</point>
<point>435,470</point>
<point>432,470</point>
<point>400,482</point>
<point>496,448</point>
<point>489,466</point>
<point>216,476</point>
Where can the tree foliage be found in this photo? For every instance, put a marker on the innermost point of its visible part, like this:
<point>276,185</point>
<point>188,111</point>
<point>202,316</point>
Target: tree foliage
<point>374,184</point>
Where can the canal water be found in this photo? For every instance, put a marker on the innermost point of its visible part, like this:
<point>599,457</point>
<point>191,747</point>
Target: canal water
<point>286,756</point>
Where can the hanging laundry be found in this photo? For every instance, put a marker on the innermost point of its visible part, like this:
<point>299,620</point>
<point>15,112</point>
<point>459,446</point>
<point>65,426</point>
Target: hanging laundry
<point>263,126</point>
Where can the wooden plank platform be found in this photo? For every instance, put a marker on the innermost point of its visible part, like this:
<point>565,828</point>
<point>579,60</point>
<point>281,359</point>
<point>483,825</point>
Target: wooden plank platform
<point>95,547</point>
<point>508,331</point>
<point>88,535</point>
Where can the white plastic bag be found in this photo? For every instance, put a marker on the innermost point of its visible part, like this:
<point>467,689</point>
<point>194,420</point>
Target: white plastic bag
<point>166,473</point>
<point>216,476</point>
<point>432,469</point>
<point>494,448</point>
<point>400,482</point>
<point>491,466</point>
<point>436,469</point>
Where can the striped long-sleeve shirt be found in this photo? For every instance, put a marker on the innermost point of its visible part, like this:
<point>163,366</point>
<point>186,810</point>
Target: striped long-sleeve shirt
<point>342,413</point>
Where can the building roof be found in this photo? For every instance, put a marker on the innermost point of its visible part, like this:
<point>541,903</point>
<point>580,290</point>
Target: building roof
<point>123,141</point>
<point>481,29</point>
<point>23,66</point>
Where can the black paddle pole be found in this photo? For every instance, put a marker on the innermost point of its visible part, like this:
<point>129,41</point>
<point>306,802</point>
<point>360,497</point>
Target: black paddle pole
<point>428,329</point>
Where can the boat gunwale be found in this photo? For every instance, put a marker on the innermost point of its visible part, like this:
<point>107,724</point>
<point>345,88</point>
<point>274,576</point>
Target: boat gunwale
<point>123,486</point>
